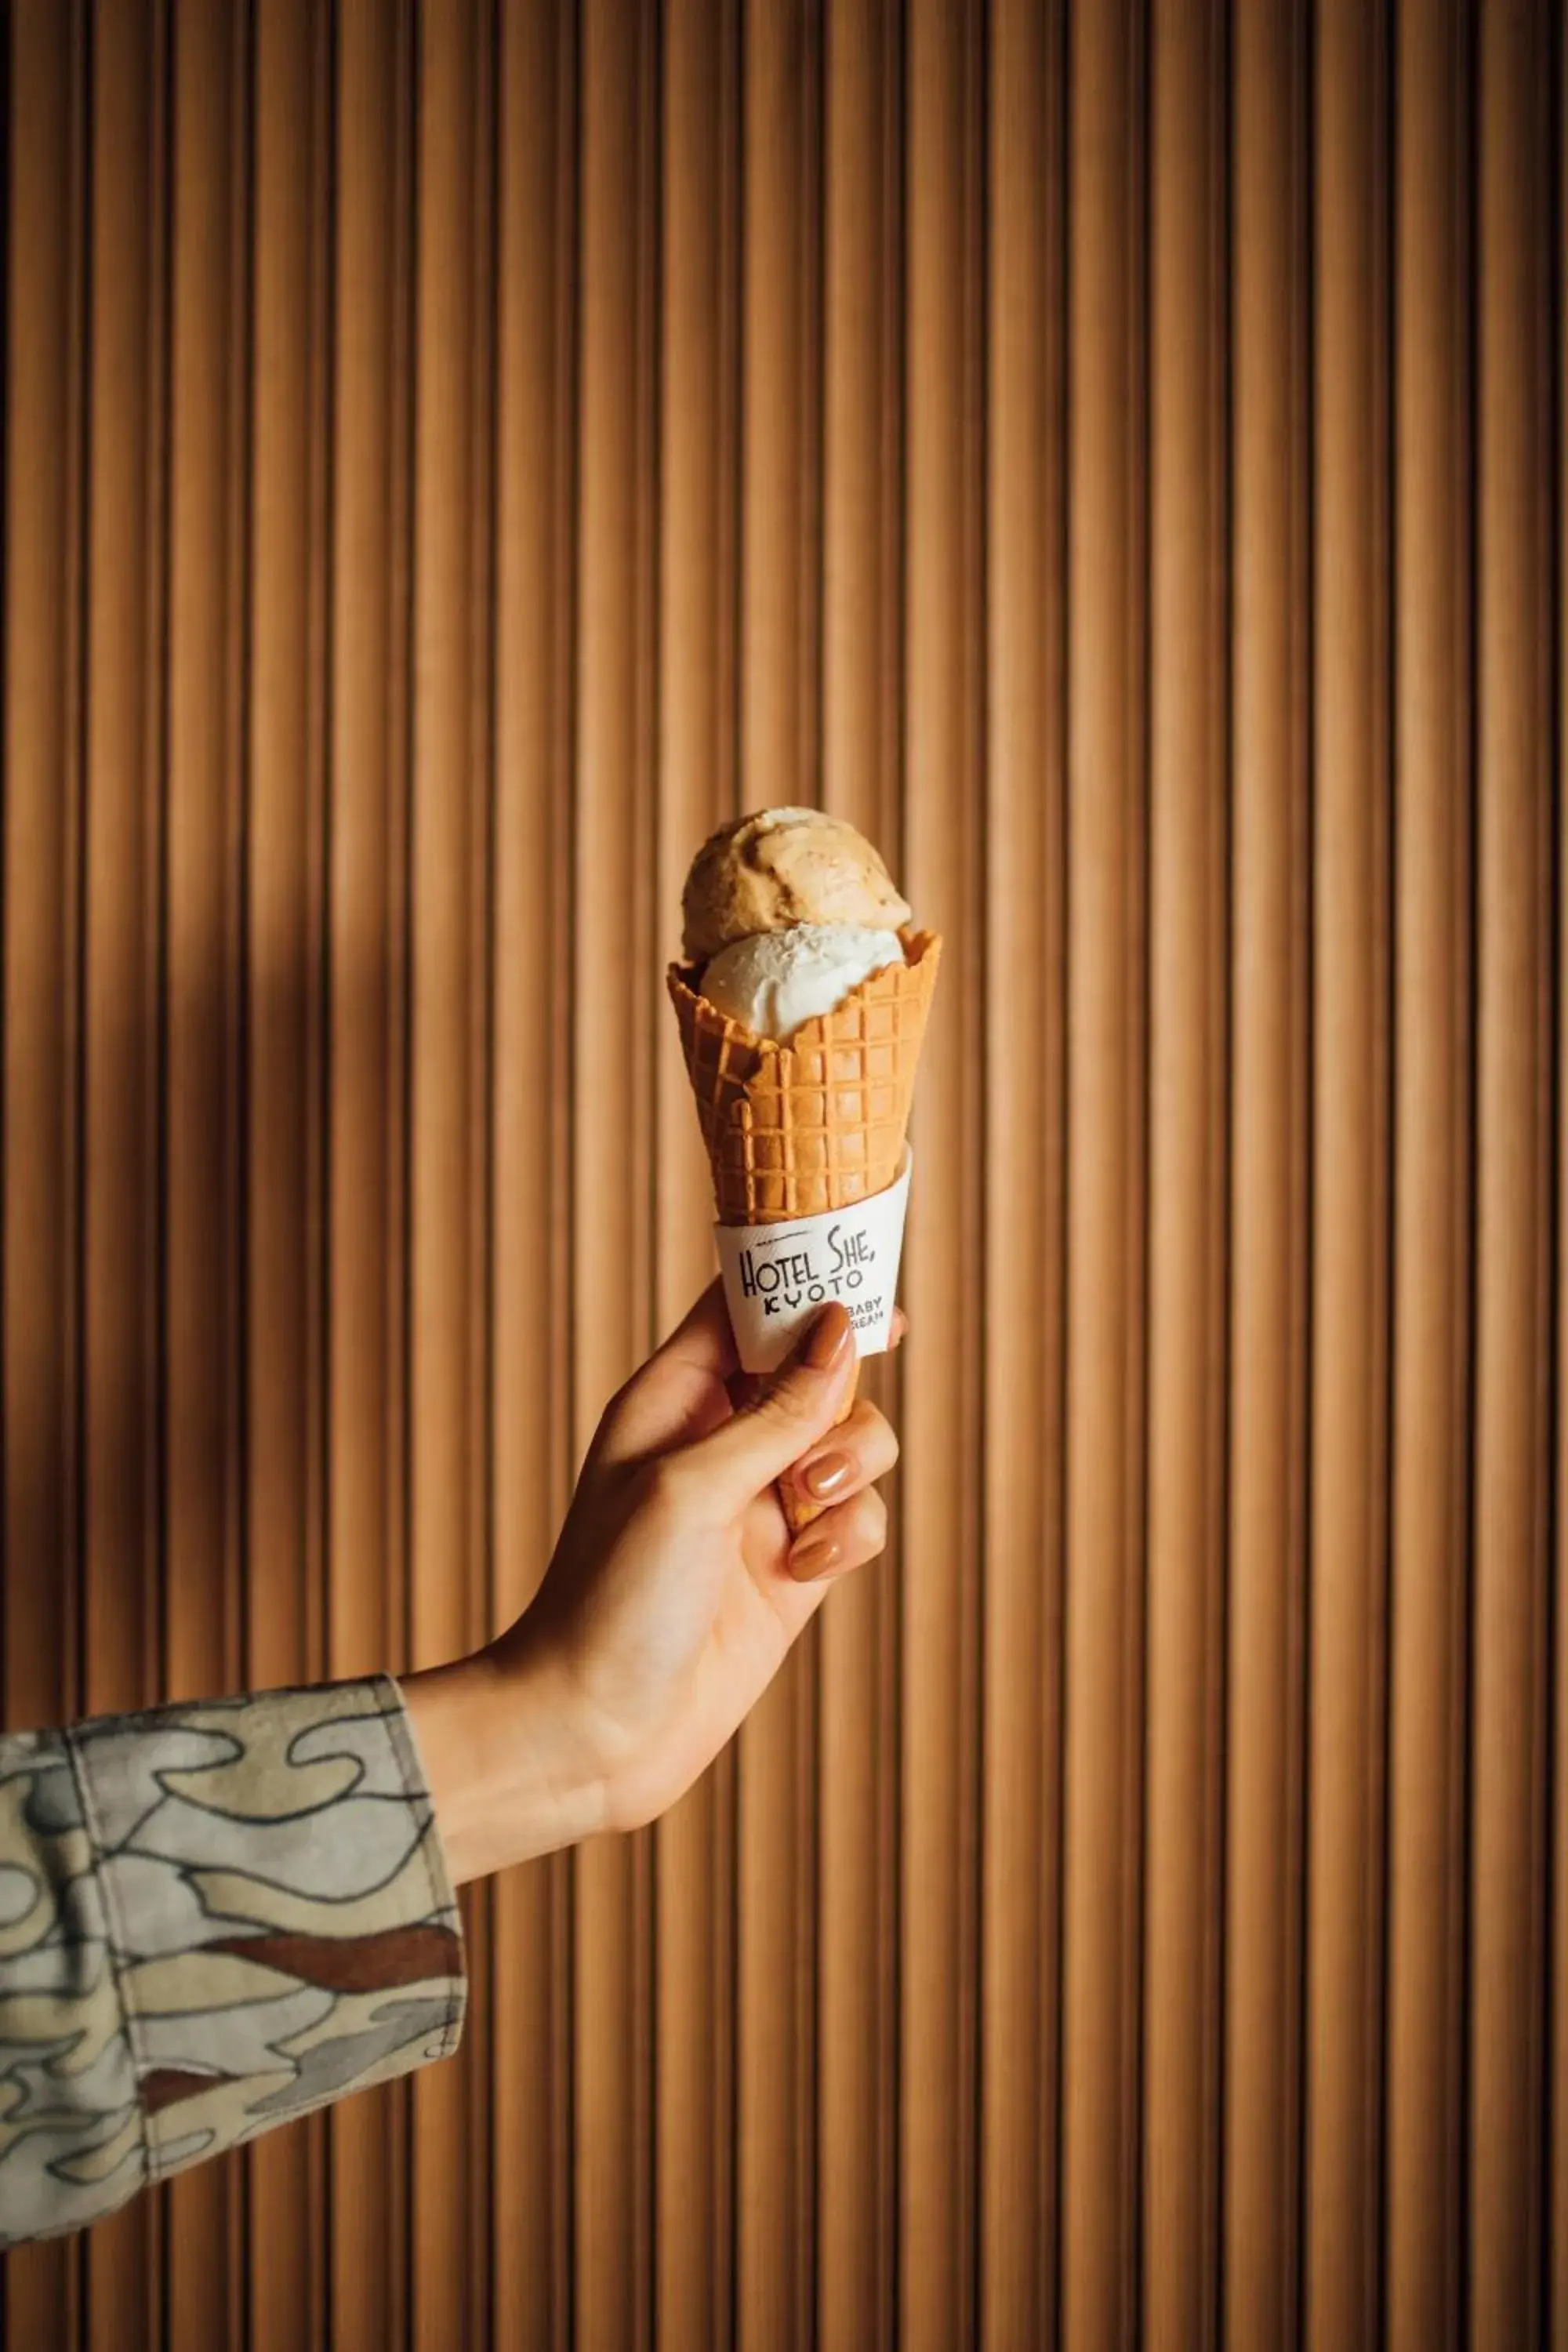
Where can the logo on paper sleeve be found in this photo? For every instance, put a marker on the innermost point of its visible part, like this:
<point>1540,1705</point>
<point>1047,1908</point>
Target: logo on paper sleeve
<point>807,1277</point>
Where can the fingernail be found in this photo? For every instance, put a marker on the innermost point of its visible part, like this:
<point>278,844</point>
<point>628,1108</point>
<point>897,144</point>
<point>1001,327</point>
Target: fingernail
<point>826,1474</point>
<point>827,1340</point>
<point>813,1556</point>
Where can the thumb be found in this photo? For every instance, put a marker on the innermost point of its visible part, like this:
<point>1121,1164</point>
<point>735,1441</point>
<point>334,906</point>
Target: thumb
<point>797,1406</point>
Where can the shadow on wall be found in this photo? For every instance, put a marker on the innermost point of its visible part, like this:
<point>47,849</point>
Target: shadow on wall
<point>227,1219</point>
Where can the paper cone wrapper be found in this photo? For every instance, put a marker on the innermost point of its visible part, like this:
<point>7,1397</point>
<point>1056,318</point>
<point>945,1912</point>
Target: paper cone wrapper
<point>795,1132</point>
<point>778,1276</point>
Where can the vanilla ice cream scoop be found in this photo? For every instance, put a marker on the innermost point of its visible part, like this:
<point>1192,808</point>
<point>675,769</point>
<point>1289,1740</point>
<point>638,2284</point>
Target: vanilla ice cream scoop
<point>776,981</point>
<point>783,867</point>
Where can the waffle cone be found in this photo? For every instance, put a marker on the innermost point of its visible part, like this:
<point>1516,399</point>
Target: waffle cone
<point>818,1124</point>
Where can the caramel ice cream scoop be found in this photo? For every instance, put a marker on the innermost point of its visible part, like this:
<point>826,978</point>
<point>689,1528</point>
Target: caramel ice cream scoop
<point>781,867</point>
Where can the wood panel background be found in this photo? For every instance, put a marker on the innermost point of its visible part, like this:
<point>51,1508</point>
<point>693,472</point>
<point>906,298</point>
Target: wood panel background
<point>453,454</point>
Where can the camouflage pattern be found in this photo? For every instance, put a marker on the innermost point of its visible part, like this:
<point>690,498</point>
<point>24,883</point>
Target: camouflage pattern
<point>212,1918</point>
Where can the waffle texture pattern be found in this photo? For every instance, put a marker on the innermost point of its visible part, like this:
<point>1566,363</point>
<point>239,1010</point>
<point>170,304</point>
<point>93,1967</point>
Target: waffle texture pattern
<point>819,1123</point>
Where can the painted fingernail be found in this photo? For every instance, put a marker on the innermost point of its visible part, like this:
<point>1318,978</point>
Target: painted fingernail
<point>813,1556</point>
<point>826,1474</point>
<point>827,1340</point>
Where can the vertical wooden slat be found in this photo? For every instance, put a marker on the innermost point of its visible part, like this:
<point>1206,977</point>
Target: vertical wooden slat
<point>943,877</point>
<point>480,425</point>
<point>1187,882</point>
<point>119,1073</point>
<point>697,711</point>
<point>531,1079</point>
<point>1024,1175</point>
<point>614,1005</point>
<point>1350,1236</point>
<point>368,964</point>
<point>1268,1239</point>
<point>283,1615</point>
<point>1433,1115</point>
<point>1105,1054</point>
<point>204,683</point>
<point>1557,2149</point>
<point>449,932</point>
<point>1516,815</point>
<point>780,647</point>
<point>780,765</point>
<point>856,2014</point>
<point>40,1266</point>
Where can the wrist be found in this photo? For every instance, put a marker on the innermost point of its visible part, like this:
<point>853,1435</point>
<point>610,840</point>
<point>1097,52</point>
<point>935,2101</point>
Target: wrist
<point>504,1760</point>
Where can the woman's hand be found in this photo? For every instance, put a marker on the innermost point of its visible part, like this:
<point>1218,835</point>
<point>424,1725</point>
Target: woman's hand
<point>673,1596</point>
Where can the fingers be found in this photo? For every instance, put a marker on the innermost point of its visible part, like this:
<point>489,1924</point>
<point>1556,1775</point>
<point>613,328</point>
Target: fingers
<point>793,1412</point>
<point>861,1449</point>
<point>843,1537</point>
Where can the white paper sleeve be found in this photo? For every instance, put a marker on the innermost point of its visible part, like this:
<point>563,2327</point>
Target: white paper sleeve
<point>776,1278</point>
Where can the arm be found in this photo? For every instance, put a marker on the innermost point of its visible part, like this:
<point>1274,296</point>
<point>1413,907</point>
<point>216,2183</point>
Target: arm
<point>215,1918</point>
<point>674,1596</point>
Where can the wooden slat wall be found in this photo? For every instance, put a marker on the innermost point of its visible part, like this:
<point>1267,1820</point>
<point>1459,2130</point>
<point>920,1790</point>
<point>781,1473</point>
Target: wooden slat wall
<point>455,451</point>
<point>1270,840</point>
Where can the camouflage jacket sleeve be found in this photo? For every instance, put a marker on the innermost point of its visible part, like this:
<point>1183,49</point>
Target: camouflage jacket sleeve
<point>212,1918</point>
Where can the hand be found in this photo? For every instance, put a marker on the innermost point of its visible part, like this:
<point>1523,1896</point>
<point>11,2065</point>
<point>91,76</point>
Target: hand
<point>672,1599</point>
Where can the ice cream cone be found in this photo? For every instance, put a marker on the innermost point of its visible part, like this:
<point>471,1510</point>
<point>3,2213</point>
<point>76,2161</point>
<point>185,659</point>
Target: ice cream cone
<point>818,1123</point>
